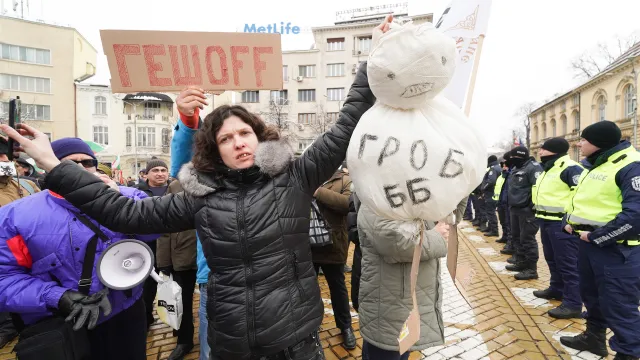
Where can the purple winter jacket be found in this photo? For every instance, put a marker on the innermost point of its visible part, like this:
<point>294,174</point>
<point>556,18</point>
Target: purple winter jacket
<point>41,240</point>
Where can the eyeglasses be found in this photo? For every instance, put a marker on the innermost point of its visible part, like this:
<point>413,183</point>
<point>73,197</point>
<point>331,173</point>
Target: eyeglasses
<point>88,163</point>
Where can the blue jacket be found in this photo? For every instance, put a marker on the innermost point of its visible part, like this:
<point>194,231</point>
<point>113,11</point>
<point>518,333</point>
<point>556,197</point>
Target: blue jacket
<point>181,153</point>
<point>505,188</point>
<point>40,241</point>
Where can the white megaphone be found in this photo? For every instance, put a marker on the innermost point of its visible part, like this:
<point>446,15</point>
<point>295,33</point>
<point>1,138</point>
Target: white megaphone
<point>126,264</point>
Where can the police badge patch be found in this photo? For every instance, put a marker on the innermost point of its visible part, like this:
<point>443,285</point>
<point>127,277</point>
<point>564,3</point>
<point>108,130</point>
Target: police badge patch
<point>635,182</point>
<point>538,174</point>
<point>575,179</point>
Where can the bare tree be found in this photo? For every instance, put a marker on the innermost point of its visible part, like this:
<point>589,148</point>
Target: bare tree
<point>27,113</point>
<point>277,114</point>
<point>592,62</point>
<point>324,120</point>
<point>523,113</point>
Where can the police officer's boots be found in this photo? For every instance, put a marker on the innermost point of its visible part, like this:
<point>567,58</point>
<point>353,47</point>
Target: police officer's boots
<point>491,233</point>
<point>593,340</point>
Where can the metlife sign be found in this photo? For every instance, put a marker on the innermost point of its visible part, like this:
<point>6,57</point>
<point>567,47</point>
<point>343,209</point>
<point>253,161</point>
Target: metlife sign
<point>275,28</point>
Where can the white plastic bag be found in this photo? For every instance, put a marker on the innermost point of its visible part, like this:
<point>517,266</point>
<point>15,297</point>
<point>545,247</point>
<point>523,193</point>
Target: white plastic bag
<point>414,154</point>
<point>169,305</point>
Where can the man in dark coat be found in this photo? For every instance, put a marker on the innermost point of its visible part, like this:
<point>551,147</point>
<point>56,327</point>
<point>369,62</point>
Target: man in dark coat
<point>333,201</point>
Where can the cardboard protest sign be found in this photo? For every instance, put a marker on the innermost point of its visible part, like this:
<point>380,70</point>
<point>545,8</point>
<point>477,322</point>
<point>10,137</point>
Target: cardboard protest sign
<point>166,61</point>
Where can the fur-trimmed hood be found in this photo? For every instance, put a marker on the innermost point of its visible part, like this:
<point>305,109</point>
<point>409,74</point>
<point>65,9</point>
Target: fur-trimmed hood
<point>272,157</point>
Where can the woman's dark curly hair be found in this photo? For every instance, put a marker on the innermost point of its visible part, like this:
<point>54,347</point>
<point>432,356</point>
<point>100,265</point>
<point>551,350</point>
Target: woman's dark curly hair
<point>206,155</point>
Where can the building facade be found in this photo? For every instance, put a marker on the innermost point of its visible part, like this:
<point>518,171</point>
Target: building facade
<point>609,95</point>
<point>40,63</point>
<point>135,127</point>
<point>316,81</point>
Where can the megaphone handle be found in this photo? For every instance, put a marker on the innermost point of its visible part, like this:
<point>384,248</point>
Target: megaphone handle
<point>155,276</point>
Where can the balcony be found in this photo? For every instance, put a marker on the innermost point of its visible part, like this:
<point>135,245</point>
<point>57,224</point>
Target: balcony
<point>149,117</point>
<point>143,151</point>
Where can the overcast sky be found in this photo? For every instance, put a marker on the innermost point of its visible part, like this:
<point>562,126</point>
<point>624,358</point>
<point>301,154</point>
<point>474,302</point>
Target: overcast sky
<point>526,53</point>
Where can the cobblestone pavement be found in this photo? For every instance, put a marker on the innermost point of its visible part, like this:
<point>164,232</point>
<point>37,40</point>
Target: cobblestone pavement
<point>499,318</point>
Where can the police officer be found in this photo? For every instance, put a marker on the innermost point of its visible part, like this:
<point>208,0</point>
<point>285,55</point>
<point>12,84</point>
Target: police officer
<point>478,208</point>
<point>605,214</point>
<point>488,186</point>
<point>500,195</point>
<point>523,220</point>
<point>551,194</point>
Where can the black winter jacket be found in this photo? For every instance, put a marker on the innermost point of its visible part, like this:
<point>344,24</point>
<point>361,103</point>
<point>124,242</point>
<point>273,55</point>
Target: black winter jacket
<point>520,183</point>
<point>263,295</point>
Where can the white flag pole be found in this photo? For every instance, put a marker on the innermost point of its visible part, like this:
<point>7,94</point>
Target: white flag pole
<point>474,73</point>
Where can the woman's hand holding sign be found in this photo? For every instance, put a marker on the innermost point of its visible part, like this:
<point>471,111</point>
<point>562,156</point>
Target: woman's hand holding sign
<point>190,99</point>
<point>39,148</point>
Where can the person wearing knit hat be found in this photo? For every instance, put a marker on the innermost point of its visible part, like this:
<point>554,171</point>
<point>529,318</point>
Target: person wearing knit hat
<point>52,236</point>
<point>500,194</point>
<point>523,245</point>
<point>604,213</point>
<point>156,183</point>
<point>551,195</point>
<point>488,187</point>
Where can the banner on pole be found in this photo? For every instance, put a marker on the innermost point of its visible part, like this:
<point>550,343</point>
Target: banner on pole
<point>465,21</point>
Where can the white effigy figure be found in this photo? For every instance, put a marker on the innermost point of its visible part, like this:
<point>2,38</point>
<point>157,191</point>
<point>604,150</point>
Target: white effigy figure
<point>414,154</point>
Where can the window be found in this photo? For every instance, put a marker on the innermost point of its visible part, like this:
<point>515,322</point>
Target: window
<point>279,97</point>
<point>332,117</point>
<point>307,95</point>
<point>576,100</point>
<point>335,94</point>
<point>101,135</point>
<point>128,136</point>
<point>25,54</point>
<point>304,143</point>
<point>553,127</point>
<point>543,115</point>
<point>151,109</point>
<point>564,125</point>
<point>147,136</point>
<point>536,137</point>
<point>25,83</point>
<point>335,44</point>
<point>601,108</point>
<point>101,105</point>
<point>576,121</point>
<point>335,69</point>
<point>364,44</point>
<point>29,111</point>
<point>251,97</point>
<point>48,135</point>
<point>628,100</point>
<point>307,71</point>
<point>307,119</point>
<point>35,112</point>
<point>544,131</point>
<point>165,137</point>
<point>285,73</point>
<point>563,106</point>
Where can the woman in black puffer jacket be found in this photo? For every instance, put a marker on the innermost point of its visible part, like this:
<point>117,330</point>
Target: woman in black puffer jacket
<point>249,201</point>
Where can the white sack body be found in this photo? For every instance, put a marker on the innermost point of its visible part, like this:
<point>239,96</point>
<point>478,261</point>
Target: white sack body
<point>414,155</point>
<point>415,164</point>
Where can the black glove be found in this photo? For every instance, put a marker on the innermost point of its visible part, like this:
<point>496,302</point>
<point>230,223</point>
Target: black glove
<point>167,270</point>
<point>79,307</point>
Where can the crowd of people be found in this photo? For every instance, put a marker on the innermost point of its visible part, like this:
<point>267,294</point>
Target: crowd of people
<point>231,215</point>
<point>588,216</point>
